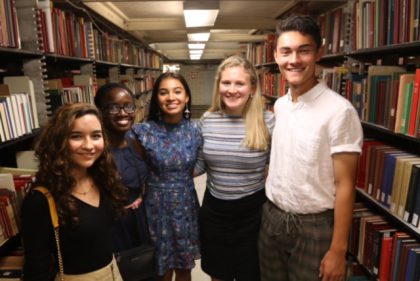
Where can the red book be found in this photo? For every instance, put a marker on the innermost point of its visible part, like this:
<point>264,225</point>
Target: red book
<point>370,228</point>
<point>364,163</point>
<point>414,105</point>
<point>385,260</point>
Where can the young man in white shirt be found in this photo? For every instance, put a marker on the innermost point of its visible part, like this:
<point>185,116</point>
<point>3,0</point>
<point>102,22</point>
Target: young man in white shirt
<point>310,187</point>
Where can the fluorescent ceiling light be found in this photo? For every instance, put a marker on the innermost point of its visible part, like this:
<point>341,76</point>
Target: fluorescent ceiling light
<point>195,57</point>
<point>197,46</point>
<point>199,36</point>
<point>196,52</point>
<point>200,13</point>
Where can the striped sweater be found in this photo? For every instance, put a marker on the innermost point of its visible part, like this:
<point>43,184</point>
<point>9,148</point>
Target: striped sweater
<point>233,171</point>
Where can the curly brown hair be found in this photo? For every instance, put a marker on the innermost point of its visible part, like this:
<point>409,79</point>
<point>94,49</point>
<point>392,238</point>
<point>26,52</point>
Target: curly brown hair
<point>55,167</point>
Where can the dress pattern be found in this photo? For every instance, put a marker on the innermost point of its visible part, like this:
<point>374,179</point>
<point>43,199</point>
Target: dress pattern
<point>171,200</point>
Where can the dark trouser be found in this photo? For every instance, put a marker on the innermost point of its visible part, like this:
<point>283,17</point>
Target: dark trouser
<point>290,246</point>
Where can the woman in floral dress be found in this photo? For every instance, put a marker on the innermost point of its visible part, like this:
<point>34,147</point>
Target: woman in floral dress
<point>170,142</point>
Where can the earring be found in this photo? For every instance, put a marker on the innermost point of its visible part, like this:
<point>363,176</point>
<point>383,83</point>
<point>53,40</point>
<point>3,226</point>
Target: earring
<point>187,113</point>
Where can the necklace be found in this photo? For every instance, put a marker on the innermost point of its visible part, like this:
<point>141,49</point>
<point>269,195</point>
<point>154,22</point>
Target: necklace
<point>84,192</point>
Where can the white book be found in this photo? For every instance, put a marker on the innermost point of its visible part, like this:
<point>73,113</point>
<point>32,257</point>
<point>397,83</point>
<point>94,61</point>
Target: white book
<point>26,160</point>
<point>14,115</point>
<point>22,84</point>
<point>86,82</point>
<point>27,111</point>
<point>2,129</point>
<point>44,5</point>
<point>9,116</point>
<point>18,115</point>
<point>4,121</point>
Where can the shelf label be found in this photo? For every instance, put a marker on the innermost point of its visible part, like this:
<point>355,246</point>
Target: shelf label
<point>415,219</point>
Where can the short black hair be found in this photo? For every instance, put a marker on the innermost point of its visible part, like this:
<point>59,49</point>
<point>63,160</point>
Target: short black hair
<point>302,23</point>
<point>103,92</point>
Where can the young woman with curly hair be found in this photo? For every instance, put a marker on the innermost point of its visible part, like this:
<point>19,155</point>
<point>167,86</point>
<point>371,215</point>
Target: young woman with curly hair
<point>78,170</point>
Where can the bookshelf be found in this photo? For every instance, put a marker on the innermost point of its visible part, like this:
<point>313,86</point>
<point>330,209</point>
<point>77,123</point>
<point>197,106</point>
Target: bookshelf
<point>378,38</point>
<point>76,51</point>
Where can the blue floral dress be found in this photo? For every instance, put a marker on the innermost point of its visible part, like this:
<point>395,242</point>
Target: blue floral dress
<point>171,200</point>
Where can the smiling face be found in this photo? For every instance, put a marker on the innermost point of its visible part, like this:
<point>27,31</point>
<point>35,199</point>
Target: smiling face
<point>115,113</point>
<point>296,55</point>
<point>235,89</point>
<point>172,99</point>
<point>85,143</point>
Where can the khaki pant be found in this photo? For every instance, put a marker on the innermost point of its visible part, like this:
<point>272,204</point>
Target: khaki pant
<point>107,273</point>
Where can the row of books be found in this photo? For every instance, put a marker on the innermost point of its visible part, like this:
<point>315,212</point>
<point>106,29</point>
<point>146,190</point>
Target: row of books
<point>387,96</point>
<point>262,52</point>
<point>335,28</point>
<point>385,22</point>
<point>358,24</point>
<point>78,88</point>
<point>392,177</point>
<point>64,33</point>
<point>272,84</point>
<point>9,27</point>
<point>18,111</point>
<point>386,251</point>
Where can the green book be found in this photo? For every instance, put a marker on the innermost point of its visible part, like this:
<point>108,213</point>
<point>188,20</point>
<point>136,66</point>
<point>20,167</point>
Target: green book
<point>408,97</point>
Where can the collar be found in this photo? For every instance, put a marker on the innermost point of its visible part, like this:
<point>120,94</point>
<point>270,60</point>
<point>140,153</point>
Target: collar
<point>310,95</point>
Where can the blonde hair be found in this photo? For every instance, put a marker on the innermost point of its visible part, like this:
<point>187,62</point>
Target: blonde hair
<point>256,132</point>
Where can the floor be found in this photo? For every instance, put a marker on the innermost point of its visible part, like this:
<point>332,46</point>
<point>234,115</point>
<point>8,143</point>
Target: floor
<point>197,273</point>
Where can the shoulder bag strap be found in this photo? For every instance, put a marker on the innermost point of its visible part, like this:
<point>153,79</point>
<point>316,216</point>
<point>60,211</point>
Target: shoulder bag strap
<point>56,226</point>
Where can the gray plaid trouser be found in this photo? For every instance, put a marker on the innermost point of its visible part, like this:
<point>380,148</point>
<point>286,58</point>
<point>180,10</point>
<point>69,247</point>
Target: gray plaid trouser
<point>290,246</point>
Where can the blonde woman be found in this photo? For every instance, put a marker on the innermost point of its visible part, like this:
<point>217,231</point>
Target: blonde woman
<point>236,135</point>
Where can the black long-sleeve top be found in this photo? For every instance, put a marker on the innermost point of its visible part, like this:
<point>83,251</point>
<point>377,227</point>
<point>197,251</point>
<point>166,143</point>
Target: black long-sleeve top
<point>85,247</point>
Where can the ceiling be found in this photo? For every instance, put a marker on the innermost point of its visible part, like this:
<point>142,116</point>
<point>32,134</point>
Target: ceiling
<point>161,24</point>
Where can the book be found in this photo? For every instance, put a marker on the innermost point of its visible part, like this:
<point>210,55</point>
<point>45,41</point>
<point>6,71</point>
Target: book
<point>23,84</point>
<point>389,174</point>
<point>370,100</point>
<point>364,163</point>
<point>378,235</point>
<point>4,121</point>
<point>385,259</point>
<point>408,165</point>
<point>412,255</point>
<point>404,80</point>
<point>408,100</point>
<point>413,119</point>
<point>362,235</point>
<point>411,193</point>
<point>416,207</point>
<point>26,159</point>
<point>399,239</point>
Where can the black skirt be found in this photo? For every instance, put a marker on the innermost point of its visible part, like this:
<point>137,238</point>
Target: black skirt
<point>229,233</point>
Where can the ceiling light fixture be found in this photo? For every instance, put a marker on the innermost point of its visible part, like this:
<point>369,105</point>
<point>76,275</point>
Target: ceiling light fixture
<point>199,46</point>
<point>200,13</point>
<point>195,57</point>
<point>196,52</point>
<point>201,37</point>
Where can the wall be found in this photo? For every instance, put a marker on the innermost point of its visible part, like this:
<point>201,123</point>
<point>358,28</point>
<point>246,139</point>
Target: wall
<point>200,78</point>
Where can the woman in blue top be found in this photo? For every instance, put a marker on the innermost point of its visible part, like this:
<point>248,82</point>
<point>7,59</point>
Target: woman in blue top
<point>116,103</point>
<point>170,142</point>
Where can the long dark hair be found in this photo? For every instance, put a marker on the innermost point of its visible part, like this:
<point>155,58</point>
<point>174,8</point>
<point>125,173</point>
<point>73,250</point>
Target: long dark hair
<point>154,109</point>
<point>55,165</point>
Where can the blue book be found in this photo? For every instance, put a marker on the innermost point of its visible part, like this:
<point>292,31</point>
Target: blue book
<point>413,254</point>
